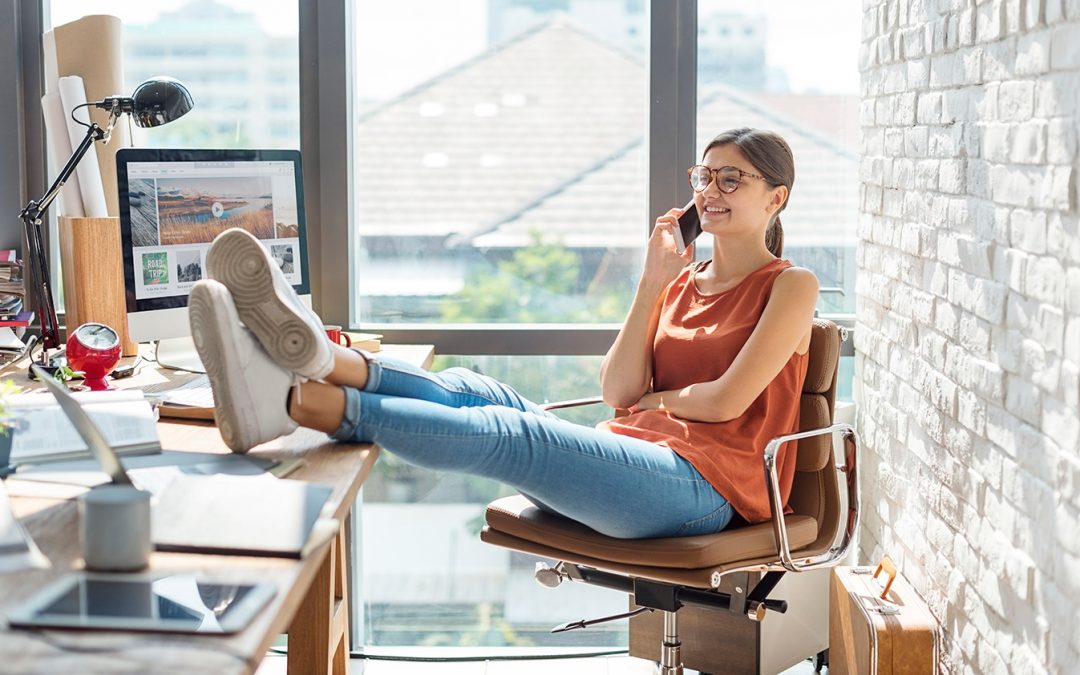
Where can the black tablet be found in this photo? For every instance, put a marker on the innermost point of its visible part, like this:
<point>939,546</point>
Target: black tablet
<point>179,603</point>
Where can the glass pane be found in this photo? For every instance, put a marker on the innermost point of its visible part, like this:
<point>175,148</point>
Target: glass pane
<point>440,585</point>
<point>772,66</point>
<point>500,171</point>
<point>238,58</point>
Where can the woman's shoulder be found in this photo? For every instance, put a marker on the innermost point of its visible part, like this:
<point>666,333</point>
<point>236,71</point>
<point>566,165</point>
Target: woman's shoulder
<point>796,281</point>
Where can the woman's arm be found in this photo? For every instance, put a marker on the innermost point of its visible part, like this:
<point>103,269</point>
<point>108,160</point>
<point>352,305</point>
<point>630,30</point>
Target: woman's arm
<point>784,328</point>
<point>626,372</point>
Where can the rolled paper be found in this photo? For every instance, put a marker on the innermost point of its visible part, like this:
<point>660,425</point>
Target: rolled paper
<point>59,144</point>
<point>73,95</point>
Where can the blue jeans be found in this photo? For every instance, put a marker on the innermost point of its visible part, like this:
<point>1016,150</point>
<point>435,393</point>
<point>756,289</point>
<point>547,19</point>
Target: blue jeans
<point>458,420</point>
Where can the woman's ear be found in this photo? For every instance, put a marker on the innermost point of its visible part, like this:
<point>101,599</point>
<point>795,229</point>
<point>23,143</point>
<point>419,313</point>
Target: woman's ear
<point>779,198</point>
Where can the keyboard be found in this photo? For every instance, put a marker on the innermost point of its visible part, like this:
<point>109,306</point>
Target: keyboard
<point>195,393</point>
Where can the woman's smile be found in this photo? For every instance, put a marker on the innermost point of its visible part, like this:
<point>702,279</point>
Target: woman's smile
<point>713,211</point>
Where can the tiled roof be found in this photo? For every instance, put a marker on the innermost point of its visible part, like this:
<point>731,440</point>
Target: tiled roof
<point>546,133</point>
<point>483,140</point>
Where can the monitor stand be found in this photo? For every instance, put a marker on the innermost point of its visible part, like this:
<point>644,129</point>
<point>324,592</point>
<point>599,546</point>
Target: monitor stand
<point>178,354</point>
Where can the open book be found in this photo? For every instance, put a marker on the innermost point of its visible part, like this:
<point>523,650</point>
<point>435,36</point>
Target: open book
<point>39,431</point>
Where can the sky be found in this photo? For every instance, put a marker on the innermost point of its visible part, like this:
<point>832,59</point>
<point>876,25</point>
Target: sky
<point>404,42</point>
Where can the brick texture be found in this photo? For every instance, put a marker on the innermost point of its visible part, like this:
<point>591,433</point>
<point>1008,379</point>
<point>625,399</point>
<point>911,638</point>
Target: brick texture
<point>968,321</point>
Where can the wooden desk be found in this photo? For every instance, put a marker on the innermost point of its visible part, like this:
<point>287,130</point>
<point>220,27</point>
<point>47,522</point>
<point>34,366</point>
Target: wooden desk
<point>311,603</point>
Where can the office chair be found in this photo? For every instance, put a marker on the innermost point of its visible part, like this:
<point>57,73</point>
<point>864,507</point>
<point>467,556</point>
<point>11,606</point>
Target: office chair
<point>714,571</point>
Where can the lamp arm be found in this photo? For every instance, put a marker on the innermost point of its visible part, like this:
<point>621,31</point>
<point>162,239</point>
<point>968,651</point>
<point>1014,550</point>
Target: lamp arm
<point>35,208</point>
<point>31,217</point>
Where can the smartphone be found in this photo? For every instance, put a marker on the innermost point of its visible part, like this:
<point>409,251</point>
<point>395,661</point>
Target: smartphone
<point>689,227</point>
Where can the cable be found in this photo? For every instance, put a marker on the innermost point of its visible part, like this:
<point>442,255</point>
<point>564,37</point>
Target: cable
<point>81,105</point>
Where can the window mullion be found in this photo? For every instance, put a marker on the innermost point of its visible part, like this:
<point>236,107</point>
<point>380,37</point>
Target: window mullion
<point>672,103</point>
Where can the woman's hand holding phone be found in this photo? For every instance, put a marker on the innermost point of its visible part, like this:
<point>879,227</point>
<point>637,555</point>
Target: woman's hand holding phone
<point>663,260</point>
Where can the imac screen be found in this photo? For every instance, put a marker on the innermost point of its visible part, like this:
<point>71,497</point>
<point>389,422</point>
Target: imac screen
<point>174,202</point>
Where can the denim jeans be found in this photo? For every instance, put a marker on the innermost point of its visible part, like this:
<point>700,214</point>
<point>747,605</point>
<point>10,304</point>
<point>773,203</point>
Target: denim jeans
<point>458,420</point>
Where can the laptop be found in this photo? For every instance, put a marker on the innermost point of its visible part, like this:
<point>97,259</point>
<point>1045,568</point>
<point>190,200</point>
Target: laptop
<point>222,514</point>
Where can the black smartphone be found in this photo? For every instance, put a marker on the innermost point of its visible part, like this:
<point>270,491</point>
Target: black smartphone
<point>689,227</point>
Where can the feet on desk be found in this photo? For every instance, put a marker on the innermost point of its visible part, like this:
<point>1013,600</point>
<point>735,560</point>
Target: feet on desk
<point>250,390</point>
<point>290,332</point>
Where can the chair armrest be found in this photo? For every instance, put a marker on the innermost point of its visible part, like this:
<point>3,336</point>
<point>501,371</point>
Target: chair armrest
<point>573,403</point>
<point>847,472</point>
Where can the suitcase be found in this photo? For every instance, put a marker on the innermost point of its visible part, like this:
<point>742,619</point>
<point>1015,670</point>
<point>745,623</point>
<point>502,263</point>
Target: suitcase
<point>879,627</point>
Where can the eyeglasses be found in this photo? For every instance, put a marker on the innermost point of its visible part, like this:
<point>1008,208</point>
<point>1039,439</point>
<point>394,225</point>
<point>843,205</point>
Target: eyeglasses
<point>728,178</point>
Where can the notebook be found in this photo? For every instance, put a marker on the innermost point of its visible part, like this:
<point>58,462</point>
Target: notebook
<point>237,515</point>
<point>40,432</point>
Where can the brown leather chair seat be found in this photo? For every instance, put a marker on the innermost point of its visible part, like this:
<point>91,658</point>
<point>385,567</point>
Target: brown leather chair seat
<point>518,518</point>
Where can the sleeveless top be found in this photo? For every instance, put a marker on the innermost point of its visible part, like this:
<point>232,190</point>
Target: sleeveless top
<point>697,339</point>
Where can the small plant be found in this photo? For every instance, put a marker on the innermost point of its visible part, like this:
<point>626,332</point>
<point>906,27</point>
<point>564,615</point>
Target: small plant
<point>64,373</point>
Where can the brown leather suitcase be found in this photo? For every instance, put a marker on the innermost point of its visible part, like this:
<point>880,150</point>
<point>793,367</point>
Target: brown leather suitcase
<point>879,629</point>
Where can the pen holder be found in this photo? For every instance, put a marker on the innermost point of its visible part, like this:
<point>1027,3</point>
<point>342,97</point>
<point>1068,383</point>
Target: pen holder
<point>90,261</point>
<point>114,528</point>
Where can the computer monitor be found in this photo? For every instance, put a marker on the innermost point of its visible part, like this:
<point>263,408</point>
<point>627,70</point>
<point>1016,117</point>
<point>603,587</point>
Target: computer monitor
<point>172,205</point>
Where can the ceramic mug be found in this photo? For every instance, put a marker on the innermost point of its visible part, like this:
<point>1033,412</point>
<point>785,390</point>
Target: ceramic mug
<point>337,337</point>
<point>114,528</point>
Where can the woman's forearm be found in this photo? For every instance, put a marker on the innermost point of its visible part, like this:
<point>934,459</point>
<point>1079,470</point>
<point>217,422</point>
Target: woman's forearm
<point>701,402</point>
<point>626,371</point>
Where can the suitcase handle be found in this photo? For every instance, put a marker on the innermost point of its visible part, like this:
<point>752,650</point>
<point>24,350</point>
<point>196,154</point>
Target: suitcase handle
<point>889,568</point>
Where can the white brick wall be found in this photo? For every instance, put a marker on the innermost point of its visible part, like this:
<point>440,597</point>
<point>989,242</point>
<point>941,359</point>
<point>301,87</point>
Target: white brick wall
<point>968,335</point>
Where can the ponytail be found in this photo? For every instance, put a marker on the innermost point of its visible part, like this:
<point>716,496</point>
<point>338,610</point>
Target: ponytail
<point>774,237</point>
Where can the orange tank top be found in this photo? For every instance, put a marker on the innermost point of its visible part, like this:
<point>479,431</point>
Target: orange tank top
<point>696,340</point>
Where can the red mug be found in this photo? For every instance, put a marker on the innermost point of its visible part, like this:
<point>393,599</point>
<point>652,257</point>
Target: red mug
<point>337,337</point>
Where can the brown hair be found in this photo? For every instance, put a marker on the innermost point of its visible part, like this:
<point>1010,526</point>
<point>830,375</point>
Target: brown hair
<point>771,156</point>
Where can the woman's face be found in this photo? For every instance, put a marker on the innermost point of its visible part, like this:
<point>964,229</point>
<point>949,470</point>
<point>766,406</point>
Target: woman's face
<point>748,208</point>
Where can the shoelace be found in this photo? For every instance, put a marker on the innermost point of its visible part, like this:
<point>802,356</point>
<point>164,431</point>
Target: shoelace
<point>298,395</point>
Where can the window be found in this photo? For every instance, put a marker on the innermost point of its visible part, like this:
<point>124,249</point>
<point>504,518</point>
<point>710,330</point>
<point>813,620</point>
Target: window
<point>499,174</point>
<point>499,178</point>
<point>238,103</point>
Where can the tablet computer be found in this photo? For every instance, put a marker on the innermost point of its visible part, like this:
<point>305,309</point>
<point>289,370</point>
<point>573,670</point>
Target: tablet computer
<point>178,603</point>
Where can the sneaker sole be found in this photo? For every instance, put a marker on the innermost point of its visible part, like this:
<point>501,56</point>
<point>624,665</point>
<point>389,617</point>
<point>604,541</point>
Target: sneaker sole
<point>241,263</point>
<point>207,314</point>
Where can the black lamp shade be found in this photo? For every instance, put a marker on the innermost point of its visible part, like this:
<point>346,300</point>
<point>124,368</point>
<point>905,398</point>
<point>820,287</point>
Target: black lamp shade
<point>160,100</point>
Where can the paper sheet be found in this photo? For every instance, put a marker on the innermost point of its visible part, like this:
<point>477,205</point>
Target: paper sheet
<point>9,340</point>
<point>17,550</point>
<point>92,48</point>
<point>59,144</point>
<point>72,95</point>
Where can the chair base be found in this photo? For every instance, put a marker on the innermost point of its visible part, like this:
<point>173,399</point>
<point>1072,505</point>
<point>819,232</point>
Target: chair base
<point>723,642</point>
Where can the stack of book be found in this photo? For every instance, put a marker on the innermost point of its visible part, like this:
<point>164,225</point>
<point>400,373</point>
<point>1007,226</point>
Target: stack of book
<point>14,317</point>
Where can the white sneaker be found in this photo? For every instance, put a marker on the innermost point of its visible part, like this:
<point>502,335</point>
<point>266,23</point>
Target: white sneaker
<point>250,390</point>
<point>290,332</point>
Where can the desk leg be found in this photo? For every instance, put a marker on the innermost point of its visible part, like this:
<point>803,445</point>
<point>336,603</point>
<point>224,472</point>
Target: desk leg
<point>319,633</point>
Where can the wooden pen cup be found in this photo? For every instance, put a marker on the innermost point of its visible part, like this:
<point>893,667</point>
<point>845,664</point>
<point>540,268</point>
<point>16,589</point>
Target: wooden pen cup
<point>93,275</point>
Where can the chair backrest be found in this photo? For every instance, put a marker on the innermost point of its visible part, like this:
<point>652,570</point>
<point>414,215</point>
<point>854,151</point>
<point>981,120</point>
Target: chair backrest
<point>814,491</point>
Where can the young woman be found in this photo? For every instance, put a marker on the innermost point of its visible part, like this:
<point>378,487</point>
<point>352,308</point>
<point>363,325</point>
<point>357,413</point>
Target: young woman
<point>710,362</point>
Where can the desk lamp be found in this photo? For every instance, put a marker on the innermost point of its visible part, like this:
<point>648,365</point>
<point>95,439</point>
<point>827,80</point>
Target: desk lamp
<point>157,101</point>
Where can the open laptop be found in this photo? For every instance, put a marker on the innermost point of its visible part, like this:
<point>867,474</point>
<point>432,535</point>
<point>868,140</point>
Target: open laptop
<point>229,515</point>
